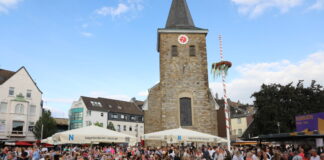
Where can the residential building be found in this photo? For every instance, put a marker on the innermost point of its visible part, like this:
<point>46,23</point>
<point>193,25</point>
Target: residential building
<point>241,116</point>
<point>20,105</point>
<point>126,117</point>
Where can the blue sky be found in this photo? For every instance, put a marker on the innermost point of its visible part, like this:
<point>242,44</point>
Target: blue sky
<point>107,48</point>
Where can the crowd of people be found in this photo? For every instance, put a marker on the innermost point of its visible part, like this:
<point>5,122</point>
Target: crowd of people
<point>161,153</point>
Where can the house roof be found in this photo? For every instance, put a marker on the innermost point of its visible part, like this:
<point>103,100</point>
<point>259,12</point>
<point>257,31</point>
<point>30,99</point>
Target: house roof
<point>237,110</point>
<point>111,105</point>
<point>61,121</point>
<point>179,16</point>
<point>5,75</point>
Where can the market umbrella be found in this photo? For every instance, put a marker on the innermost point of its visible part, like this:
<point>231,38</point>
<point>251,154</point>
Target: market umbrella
<point>183,135</point>
<point>92,135</point>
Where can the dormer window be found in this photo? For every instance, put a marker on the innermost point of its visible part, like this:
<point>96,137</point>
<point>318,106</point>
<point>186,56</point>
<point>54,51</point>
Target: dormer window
<point>192,51</point>
<point>174,51</point>
<point>119,107</point>
<point>96,104</point>
<point>11,91</point>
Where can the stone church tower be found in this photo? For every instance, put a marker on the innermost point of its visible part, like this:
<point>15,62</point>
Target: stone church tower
<point>182,97</point>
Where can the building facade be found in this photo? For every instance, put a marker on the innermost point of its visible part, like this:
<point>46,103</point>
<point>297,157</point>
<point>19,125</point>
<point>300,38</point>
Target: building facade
<point>182,97</point>
<point>20,105</point>
<point>124,117</point>
<point>241,116</point>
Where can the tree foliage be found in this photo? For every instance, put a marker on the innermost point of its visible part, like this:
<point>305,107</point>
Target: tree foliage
<point>48,123</point>
<point>111,126</point>
<point>98,124</point>
<point>281,103</point>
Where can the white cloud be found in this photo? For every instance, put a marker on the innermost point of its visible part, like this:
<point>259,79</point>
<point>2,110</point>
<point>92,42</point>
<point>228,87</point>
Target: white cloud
<point>56,112</point>
<point>143,94</point>
<point>123,7</point>
<point>318,5</point>
<point>59,100</point>
<point>254,8</point>
<point>113,11</point>
<point>5,5</point>
<point>106,95</point>
<point>86,34</point>
<point>252,76</point>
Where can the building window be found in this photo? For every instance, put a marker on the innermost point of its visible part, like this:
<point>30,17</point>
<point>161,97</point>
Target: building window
<point>3,107</point>
<point>77,116</point>
<point>132,118</point>
<point>125,127</point>
<point>19,109</point>
<point>32,110</point>
<point>101,114</point>
<point>239,121</point>
<point>185,112</point>
<point>192,51</point>
<point>88,113</point>
<point>118,128</point>
<point>2,125</point>
<point>76,125</point>
<point>234,132</point>
<point>130,128</point>
<point>122,116</point>
<point>114,116</point>
<point>88,123</point>
<point>31,126</point>
<point>239,132</point>
<point>174,51</point>
<point>29,94</point>
<point>17,127</point>
<point>140,119</point>
<point>11,91</point>
<point>95,104</point>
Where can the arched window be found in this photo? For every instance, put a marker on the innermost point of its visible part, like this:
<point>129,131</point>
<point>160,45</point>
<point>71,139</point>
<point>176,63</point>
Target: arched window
<point>19,109</point>
<point>185,112</point>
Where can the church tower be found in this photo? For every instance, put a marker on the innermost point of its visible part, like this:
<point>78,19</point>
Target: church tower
<point>182,97</point>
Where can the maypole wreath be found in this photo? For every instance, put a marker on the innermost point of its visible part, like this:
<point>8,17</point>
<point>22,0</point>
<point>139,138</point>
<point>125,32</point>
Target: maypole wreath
<point>218,68</point>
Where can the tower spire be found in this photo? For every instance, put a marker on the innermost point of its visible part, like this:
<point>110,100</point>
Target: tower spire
<point>179,16</point>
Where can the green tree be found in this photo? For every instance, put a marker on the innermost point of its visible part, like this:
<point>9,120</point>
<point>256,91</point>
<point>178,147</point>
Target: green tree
<point>48,123</point>
<point>279,104</point>
<point>98,124</point>
<point>111,126</point>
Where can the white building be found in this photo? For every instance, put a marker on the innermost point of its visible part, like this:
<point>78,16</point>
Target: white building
<point>126,117</point>
<point>20,105</point>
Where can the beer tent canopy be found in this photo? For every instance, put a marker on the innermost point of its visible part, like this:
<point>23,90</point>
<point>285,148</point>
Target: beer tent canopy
<point>183,135</point>
<point>92,135</point>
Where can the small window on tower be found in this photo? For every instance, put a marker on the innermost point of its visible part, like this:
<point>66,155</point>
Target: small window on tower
<point>192,51</point>
<point>174,51</point>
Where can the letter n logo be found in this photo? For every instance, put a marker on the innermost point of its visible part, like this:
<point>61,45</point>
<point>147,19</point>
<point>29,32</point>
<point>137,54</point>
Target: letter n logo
<point>71,137</point>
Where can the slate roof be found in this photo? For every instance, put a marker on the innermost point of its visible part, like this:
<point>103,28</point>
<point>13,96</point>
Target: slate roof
<point>111,105</point>
<point>61,121</point>
<point>179,16</point>
<point>5,75</point>
<point>237,110</point>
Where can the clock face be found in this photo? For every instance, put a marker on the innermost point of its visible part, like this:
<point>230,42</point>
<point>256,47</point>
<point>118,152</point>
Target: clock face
<point>183,39</point>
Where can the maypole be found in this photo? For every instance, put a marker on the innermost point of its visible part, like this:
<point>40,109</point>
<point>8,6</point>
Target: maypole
<point>221,68</point>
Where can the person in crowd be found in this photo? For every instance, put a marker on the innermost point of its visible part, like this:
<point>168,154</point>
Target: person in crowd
<point>314,155</point>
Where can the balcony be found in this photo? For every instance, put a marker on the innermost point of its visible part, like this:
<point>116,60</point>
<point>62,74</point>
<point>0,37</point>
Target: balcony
<point>16,134</point>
